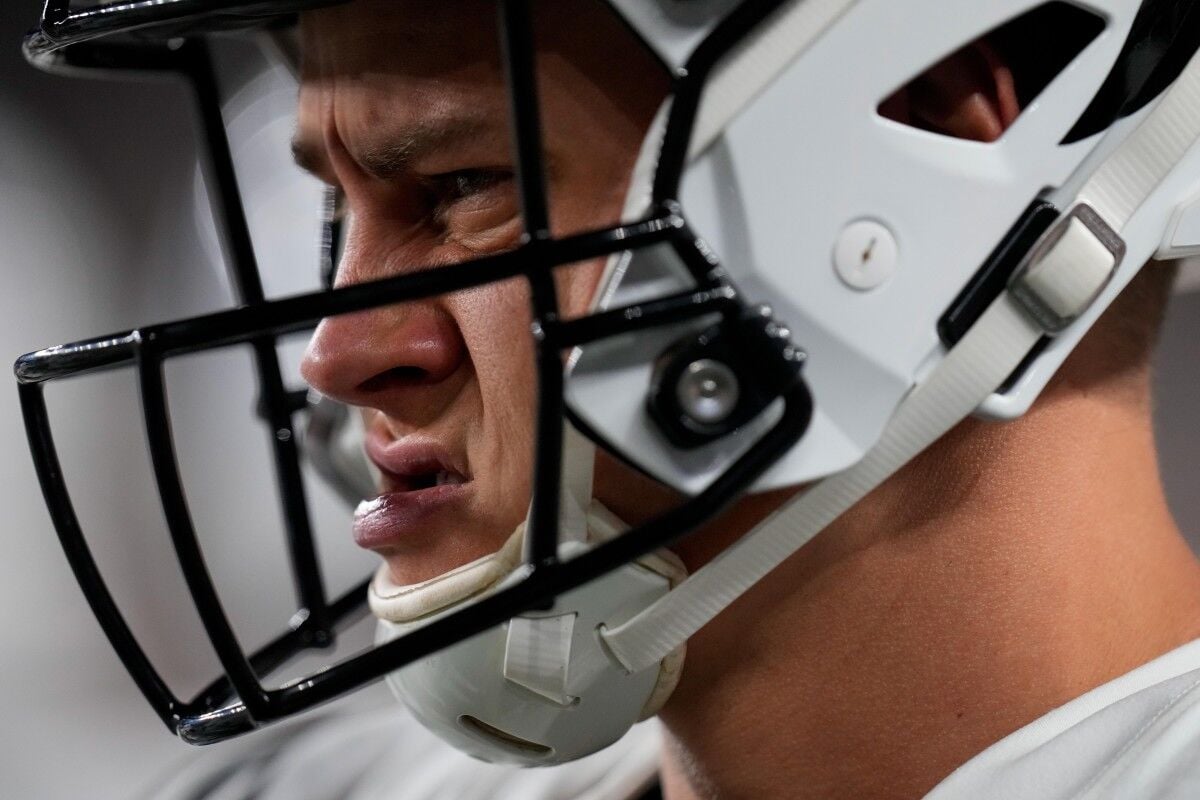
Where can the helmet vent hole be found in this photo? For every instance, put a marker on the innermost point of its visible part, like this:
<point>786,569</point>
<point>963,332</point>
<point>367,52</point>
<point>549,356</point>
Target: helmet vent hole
<point>1009,66</point>
<point>509,740</point>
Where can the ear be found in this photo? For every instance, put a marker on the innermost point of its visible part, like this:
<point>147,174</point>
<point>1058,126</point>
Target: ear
<point>968,95</point>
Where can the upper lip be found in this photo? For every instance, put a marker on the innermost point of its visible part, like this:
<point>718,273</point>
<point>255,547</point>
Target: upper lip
<point>412,463</point>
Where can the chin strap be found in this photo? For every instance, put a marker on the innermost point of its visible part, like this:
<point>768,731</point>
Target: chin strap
<point>1058,281</point>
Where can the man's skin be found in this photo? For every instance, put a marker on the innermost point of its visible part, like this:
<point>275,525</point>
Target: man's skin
<point>1004,572</point>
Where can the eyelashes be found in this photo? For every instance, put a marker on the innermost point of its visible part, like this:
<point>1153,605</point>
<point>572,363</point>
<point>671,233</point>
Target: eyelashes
<point>474,208</point>
<point>452,187</point>
<point>459,197</point>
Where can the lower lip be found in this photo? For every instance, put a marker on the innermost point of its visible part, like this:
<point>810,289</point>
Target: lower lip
<point>391,519</point>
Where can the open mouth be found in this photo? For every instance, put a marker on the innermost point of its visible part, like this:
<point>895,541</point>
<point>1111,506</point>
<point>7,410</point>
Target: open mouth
<point>417,482</point>
<point>414,465</point>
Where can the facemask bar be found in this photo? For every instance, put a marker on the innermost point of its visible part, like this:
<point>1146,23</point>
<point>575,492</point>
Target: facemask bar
<point>63,27</point>
<point>277,406</point>
<point>211,716</point>
<point>516,36</point>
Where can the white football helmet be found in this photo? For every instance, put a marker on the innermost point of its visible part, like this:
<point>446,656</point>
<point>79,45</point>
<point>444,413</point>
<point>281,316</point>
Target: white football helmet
<point>804,289</point>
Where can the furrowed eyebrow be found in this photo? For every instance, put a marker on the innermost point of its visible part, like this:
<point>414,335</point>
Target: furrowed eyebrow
<point>394,153</point>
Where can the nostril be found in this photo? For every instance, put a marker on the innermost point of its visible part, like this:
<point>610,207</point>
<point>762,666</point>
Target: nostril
<point>394,378</point>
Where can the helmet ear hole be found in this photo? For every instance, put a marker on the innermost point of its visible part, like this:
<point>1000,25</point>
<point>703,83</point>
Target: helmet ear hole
<point>1009,66</point>
<point>505,739</point>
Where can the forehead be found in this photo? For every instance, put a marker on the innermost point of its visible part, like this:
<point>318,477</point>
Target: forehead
<point>399,70</point>
<point>417,37</point>
<point>421,66</point>
<point>368,48</point>
<point>448,39</point>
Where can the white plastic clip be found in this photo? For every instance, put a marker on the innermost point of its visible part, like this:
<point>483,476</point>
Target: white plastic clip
<point>537,654</point>
<point>1067,269</point>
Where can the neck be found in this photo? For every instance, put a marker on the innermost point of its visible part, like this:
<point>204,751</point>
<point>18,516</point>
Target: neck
<point>1004,572</point>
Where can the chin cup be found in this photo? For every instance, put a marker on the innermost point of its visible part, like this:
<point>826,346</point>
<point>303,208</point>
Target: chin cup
<point>541,689</point>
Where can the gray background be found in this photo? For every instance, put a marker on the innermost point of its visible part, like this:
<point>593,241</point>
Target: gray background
<point>99,231</point>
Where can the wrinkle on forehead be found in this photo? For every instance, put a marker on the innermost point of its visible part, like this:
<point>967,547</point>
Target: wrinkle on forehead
<point>392,80</point>
<point>411,37</point>
<point>399,79</point>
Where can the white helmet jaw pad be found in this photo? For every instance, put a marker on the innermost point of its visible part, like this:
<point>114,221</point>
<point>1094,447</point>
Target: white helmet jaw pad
<point>541,689</point>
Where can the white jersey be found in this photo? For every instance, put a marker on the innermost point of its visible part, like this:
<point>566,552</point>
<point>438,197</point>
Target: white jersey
<point>1134,738</point>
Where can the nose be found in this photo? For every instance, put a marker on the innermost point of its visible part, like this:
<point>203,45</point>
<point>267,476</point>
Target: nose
<point>401,360</point>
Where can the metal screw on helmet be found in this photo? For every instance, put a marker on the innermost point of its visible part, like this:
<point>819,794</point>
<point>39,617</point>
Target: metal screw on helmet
<point>708,391</point>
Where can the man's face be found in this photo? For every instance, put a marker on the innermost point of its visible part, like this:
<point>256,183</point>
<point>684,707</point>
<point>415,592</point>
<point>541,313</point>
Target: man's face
<point>403,108</point>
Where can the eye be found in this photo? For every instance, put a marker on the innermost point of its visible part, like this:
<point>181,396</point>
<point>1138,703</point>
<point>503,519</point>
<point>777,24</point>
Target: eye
<point>449,188</point>
<point>473,207</point>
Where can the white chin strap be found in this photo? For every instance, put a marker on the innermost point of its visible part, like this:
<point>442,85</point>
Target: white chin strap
<point>1057,284</point>
<point>540,689</point>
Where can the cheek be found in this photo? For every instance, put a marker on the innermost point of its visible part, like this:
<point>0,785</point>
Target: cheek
<point>494,321</point>
<point>576,285</point>
<point>495,324</point>
<point>499,426</point>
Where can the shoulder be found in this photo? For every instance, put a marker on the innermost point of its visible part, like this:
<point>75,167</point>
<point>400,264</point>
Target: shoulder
<point>1135,737</point>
